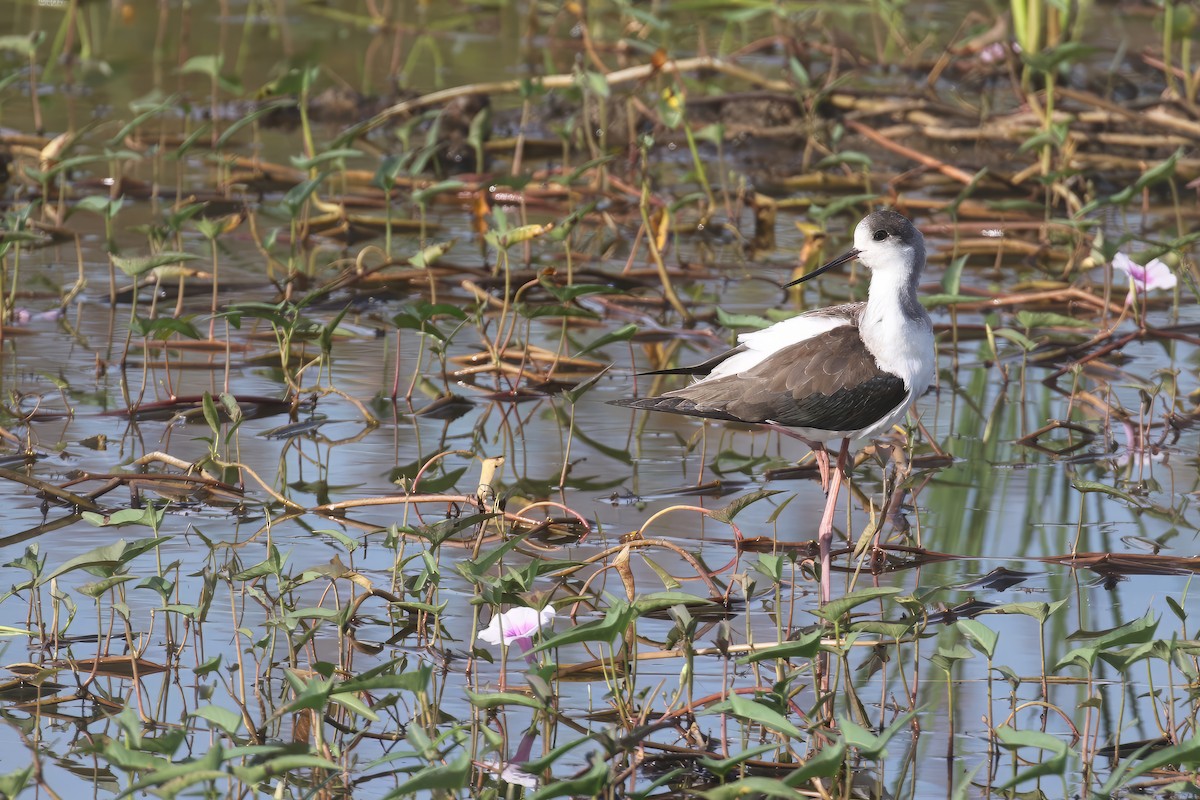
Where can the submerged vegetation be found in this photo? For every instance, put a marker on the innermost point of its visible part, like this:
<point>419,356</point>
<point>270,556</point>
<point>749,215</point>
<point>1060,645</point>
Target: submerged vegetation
<point>309,318</point>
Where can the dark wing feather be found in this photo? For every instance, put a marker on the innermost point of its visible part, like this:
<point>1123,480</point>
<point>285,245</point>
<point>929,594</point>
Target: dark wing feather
<point>702,368</point>
<point>674,405</point>
<point>829,382</point>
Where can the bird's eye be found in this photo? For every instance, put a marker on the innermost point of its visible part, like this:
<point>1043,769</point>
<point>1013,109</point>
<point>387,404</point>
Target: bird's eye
<point>879,235</point>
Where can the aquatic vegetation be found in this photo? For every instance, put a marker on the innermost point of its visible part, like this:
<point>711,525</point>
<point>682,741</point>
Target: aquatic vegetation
<point>309,324</point>
<point>1143,279</point>
<point>517,626</point>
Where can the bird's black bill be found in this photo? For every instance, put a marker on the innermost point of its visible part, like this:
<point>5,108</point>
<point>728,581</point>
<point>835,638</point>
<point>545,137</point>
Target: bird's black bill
<point>837,262</point>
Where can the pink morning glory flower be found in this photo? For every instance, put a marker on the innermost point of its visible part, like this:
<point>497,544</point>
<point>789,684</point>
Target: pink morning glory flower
<point>517,626</point>
<point>1155,275</point>
<point>509,771</point>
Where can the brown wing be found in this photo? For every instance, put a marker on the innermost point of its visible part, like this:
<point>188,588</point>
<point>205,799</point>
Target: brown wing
<point>829,382</point>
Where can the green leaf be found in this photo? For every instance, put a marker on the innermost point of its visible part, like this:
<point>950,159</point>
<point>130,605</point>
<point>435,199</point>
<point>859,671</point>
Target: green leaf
<point>1186,753</point>
<point>295,197</point>
<point>732,321</point>
<point>154,110</point>
<point>24,45</point>
<point>1048,319</point>
<point>163,328</point>
<point>945,657</point>
<point>595,83</point>
<point>384,679</point>
<point>867,743</point>
<point>211,665</point>
<point>210,412</point>
<point>824,764</point>
<point>182,775</point>
<point>1014,740</point>
<point>423,196</point>
<point>1093,486</point>
<point>258,773</point>
<point>352,703</point>
<point>1158,172</point>
<point>150,516</point>
<point>320,159</point>
<point>475,569</point>
<point>573,394</point>
<point>658,601</point>
<point>101,586</point>
<point>99,204</point>
<point>271,565</point>
<point>806,646</point>
<point>101,561</point>
<point>750,787</point>
<point>1049,59</point>
<point>13,783</point>
<point>952,277</point>
<point>133,266</point>
<point>836,609</point>
<point>936,300</point>
<point>545,310</point>
<point>850,157</point>
<point>249,118</point>
<point>446,777</point>
<point>722,767</point>
<point>731,510</point>
<point>1138,631</point>
<point>203,65</point>
<point>981,637</point>
<point>591,784</point>
<point>622,334</point>
<point>431,254</point>
<point>566,294</point>
<point>753,711</point>
<point>1017,338</point>
<point>1036,609</point>
<point>587,166</point>
<point>498,699</point>
<point>614,625</point>
<point>223,718</point>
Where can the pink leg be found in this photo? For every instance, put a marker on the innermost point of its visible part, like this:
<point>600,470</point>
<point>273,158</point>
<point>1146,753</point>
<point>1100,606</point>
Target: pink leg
<point>825,532</point>
<point>819,452</point>
<point>822,456</point>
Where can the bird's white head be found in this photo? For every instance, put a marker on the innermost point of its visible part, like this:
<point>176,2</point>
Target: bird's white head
<point>887,241</point>
<point>884,241</point>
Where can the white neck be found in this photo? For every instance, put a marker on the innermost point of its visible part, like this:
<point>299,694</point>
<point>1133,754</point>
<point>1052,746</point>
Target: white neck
<point>896,329</point>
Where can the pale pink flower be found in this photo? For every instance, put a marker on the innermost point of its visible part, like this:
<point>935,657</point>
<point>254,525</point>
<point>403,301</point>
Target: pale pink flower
<point>1155,275</point>
<point>509,771</point>
<point>23,316</point>
<point>517,625</point>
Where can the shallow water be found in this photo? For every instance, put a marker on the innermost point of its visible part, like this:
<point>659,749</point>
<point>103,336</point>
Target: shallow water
<point>999,504</point>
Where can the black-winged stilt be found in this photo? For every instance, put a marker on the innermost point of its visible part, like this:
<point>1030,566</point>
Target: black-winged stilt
<point>844,372</point>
